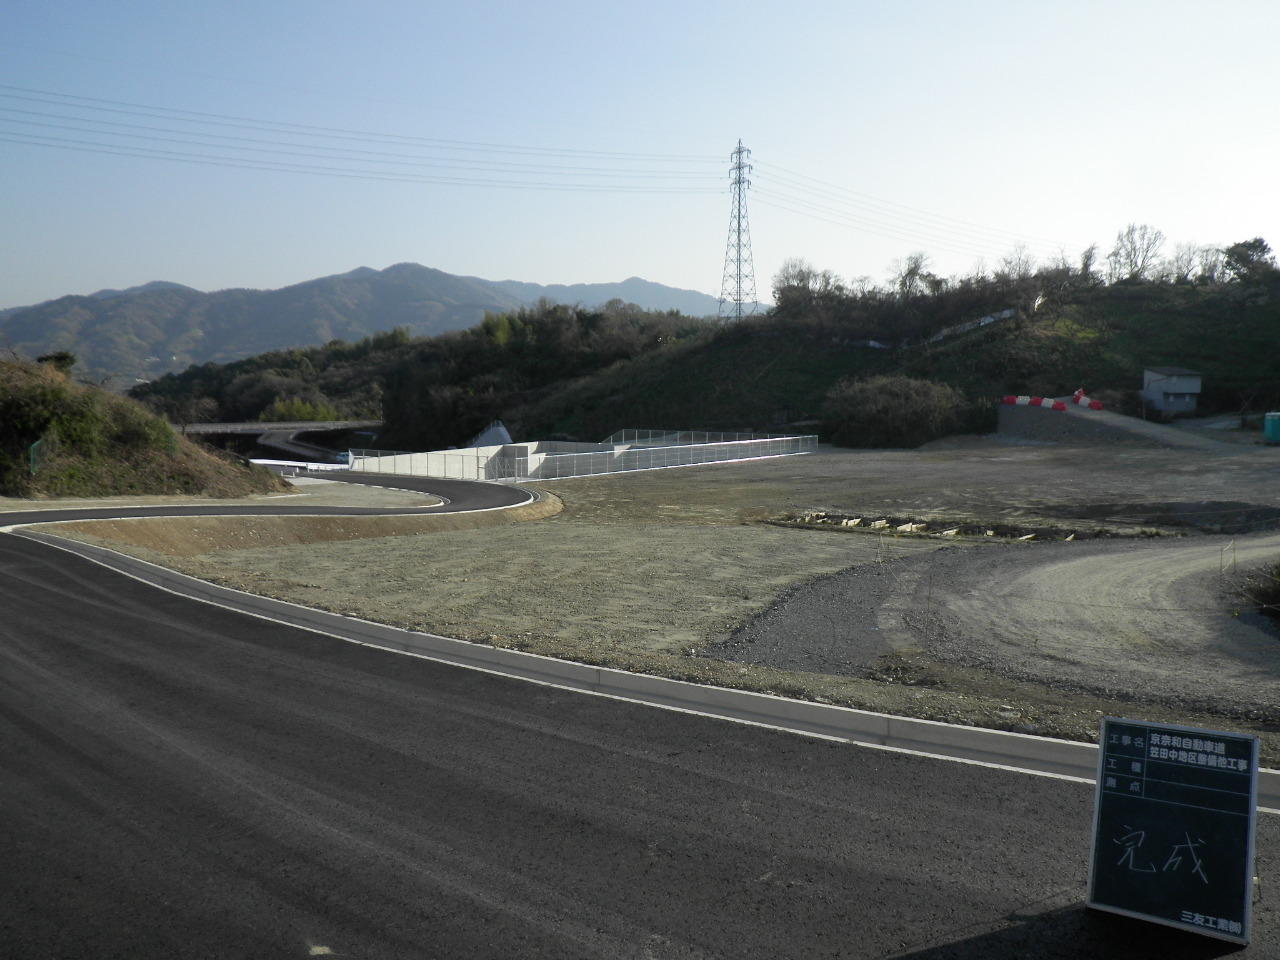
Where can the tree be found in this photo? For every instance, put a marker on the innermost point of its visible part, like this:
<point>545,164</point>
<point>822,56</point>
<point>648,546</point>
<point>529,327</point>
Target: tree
<point>1249,261</point>
<point>194,410</point>
<point>1017,266</point>
<point>912,276</point>
<point>62,360</point>
<point>1088,261</point>
<point>1209,265</point>
<point>798,276</point>
<point>1135,254</point>
<point>1183,262</point>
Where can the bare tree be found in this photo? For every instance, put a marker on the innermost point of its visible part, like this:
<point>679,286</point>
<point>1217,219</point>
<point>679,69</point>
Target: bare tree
<point>795,272</point>
<point>1018,265</point>
<point>1136,253</point>
<point>797,275</point>
<point>1182,264</point>
<point>1209,265</point>
<point>911,274</point>
<point>861,285</point>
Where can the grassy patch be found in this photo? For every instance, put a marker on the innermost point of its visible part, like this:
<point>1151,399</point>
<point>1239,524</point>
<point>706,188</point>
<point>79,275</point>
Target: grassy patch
<point>63,439</point>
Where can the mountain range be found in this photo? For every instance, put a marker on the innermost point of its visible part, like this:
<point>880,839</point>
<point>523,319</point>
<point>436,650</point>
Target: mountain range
<point>137,334</point>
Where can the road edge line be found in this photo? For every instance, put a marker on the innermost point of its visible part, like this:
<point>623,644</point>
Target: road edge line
<point>1069,760</point>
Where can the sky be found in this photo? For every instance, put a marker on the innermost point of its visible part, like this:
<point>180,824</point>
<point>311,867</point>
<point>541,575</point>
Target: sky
<point>259,144</point>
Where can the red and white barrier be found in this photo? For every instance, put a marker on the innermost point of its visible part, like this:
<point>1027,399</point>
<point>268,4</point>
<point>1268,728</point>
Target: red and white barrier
<point>1077,398</point>
<point>1080,399</point>
<point>1046,402</point>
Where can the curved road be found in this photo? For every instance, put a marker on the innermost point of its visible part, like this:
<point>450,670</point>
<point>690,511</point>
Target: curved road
<point>458,495</point>
<point>1144,615</point>
<point>179,780</point>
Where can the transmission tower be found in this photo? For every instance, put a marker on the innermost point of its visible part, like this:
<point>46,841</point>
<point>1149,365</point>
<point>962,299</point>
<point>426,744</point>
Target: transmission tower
<point>739,284</point>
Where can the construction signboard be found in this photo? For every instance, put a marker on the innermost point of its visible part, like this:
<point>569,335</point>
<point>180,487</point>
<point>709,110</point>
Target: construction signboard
<point>1174,821</point>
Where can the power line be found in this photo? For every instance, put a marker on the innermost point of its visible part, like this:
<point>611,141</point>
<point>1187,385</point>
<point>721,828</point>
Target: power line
<point>302,129</point>
<point>854,197</point>
<point>887,220</point>
<point>86,146</point>
<point>885,225</point>
<point>816,212</point>
<point>250,144</point>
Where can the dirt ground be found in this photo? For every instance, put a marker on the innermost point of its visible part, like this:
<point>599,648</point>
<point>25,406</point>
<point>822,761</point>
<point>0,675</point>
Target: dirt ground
<point>703,573</point>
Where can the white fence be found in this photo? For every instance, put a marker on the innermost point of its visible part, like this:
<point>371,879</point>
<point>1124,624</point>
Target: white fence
<point>669,438</point>
<point>648,450</point>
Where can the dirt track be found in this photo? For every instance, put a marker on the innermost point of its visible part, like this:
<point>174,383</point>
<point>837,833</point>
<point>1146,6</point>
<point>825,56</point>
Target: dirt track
<point>1116,618</point>
<point>1150,620</point>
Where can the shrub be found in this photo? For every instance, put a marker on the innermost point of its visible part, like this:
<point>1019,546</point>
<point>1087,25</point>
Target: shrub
<point>295,408</point>
<point>1260,588</point>
<point>893,411</point>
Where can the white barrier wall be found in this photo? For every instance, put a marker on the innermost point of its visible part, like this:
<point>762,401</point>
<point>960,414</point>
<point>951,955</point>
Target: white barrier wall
<point>545,460</point>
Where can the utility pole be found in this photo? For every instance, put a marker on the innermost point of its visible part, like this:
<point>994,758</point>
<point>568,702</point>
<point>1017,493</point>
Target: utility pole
<point>739,284</point>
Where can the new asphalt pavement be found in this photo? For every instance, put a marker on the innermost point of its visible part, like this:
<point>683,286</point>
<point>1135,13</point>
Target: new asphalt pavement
<point>180,780</point>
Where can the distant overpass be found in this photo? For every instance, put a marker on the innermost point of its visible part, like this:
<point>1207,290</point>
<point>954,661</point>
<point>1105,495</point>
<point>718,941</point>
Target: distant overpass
<point>264,426</point>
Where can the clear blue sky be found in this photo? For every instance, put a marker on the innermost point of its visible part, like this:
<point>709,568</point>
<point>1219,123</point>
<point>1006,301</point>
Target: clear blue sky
<point>954,129</point>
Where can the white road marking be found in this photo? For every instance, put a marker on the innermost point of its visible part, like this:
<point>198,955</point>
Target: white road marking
<point>575,689</point>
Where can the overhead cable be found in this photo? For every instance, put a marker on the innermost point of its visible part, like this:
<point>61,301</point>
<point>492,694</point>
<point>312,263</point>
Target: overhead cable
<point>897,230</point>
<point>88,146</point>
<point>250,144</point>
<point>830,189</point>
<point>302,129</point>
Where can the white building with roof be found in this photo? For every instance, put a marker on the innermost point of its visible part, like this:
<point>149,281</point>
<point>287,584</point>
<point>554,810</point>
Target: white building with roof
<point>1170,389</point>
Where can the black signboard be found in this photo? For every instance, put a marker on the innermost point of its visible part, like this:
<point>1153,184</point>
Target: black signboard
<point>1173,826</point>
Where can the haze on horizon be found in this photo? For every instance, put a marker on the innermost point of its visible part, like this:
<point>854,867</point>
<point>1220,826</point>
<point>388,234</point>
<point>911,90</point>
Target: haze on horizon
<point>567,143</point>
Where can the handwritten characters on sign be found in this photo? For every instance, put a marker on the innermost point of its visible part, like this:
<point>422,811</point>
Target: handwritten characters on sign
<point>1173,836</point>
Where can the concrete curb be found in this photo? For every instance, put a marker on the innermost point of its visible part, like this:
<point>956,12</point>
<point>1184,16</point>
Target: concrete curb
<point>1022,752</point>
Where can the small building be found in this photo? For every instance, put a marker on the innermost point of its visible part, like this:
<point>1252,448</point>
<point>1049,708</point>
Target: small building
<point>1170,390</point>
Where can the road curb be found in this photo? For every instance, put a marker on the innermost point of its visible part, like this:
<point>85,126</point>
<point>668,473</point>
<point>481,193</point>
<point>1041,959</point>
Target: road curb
<point>1021,752</point>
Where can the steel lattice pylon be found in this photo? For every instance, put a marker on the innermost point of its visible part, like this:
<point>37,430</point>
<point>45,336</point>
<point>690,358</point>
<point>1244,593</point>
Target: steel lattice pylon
<point>738,288</point>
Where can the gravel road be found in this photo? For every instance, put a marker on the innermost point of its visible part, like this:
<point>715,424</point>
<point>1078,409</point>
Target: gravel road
<point>1121,617</point>
<point>1147,620</point>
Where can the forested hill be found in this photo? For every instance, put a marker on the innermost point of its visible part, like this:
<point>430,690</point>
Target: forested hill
<point>554,370</point>
<point>144,332</point>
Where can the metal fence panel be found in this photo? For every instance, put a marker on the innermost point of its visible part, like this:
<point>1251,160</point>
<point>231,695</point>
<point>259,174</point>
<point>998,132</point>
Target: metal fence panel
<point>632,450</point>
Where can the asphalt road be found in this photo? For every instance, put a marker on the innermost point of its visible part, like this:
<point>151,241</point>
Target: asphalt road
<point>178,780</point>
<point>459,495</point>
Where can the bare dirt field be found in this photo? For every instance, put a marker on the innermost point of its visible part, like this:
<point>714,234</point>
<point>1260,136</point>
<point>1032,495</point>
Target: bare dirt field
<point>703,573</point>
